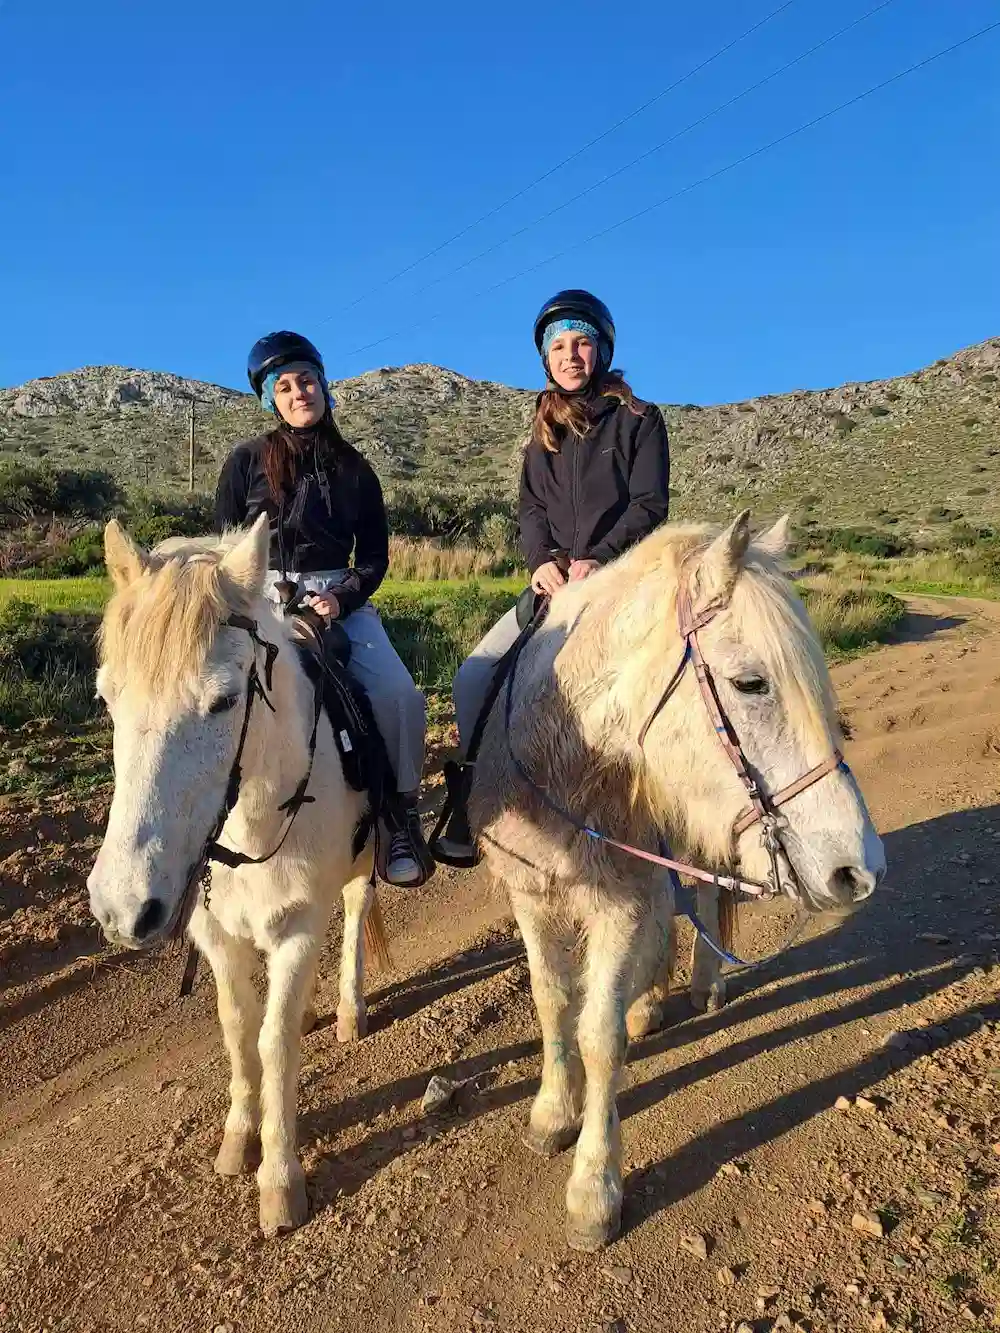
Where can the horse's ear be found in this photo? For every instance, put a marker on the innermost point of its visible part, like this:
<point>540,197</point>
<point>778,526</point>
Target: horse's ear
<point>775,541</point>
<point>125,560</point>
<point>719,567</point>
<point>246,563</point>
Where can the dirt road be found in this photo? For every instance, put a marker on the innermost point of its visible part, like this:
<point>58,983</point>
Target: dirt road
<point>878,1215</point>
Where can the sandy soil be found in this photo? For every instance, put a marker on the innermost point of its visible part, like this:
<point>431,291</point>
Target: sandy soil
<point>838,1182</point>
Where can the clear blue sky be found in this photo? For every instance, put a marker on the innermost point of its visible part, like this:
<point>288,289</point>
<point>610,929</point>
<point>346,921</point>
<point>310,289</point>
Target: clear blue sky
<point>179,179</point>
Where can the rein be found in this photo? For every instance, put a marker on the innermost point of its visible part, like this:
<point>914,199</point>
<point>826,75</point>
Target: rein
<point>763,808</point>
<point>212,850</point>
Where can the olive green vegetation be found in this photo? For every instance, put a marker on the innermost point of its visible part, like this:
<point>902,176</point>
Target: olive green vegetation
<point>47,635</point>
<point>906,455</point>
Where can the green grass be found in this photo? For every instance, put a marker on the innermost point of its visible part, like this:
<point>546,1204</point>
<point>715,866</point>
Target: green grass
<point>79,595</point>
<point>90,594</point>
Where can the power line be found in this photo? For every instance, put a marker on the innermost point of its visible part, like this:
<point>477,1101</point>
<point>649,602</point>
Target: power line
<point>591,143</point>
<point>694,185</point>
<point>650,152</point>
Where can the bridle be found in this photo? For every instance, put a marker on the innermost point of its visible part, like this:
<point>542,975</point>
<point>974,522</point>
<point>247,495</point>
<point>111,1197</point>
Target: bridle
<point>763,808</point>
<point>212,850</point>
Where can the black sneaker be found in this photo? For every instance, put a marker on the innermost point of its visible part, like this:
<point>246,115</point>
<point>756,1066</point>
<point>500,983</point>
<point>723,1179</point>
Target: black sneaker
<point>408,862</point>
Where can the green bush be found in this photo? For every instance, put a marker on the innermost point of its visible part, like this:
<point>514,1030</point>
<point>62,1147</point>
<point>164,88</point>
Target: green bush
<point>860,541</point>
<point>843,424</point>
<point>878,410</point>
<point>28,492</point>
<point>852,618</point>
<point>462,514</point>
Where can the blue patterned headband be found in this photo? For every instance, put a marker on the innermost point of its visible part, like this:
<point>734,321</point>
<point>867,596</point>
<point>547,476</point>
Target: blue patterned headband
<point>271,379</point>
<point>553,330</point>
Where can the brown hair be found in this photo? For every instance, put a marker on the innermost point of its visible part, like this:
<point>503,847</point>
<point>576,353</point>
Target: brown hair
<point>284,449</point>
<point>557,414</point>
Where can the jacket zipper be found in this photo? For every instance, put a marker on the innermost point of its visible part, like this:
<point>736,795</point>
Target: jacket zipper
<point>575,489</point>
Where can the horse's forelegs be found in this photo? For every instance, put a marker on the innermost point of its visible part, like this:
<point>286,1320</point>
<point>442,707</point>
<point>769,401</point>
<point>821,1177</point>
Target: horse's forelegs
<point>655,961</point>
<point>594,1194</point>
<point>232,962</point>
<point>708,986</point>
<point>555,1114</point>
<point>290,973</point>
<point>352,1023</point>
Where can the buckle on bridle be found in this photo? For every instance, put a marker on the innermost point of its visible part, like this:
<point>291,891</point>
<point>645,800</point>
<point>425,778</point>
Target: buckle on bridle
<point>770,832</point>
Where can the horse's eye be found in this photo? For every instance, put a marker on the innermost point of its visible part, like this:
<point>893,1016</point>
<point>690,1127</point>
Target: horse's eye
<point>225,704</point>
<point>750,684</point>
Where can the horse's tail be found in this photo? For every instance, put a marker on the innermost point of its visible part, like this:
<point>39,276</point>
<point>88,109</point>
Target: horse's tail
<point>728,919</point>
<point>376,940</point>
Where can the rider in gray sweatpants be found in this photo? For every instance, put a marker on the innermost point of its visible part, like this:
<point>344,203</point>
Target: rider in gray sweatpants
<point>472,680</point>
<point>594,481</point>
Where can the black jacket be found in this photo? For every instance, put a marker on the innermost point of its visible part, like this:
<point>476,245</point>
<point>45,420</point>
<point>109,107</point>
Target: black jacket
<point>598,495</point>
<point>315,536</point>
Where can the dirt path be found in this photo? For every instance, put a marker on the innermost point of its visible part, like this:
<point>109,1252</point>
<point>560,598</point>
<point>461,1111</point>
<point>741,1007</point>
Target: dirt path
<point>114,1092</point>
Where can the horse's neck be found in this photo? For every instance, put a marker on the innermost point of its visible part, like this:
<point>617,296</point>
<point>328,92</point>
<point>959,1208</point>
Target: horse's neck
<point>597,687</point>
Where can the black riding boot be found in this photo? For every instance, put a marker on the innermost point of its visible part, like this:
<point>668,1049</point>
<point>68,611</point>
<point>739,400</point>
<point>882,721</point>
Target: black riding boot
<point>455,845</point>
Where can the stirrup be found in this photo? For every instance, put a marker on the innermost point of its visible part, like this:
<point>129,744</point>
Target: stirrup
<point>458,781</point>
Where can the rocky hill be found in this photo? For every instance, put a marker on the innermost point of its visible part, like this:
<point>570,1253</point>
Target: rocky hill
<point>913,451</point>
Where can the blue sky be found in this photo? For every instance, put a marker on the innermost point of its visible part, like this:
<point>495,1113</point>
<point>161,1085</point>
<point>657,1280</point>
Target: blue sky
<point>180,179</point>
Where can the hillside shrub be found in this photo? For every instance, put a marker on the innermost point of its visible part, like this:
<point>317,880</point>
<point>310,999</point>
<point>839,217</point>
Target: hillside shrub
<point>859,541</point>
<point>878,410</point>
<point>29,492</point>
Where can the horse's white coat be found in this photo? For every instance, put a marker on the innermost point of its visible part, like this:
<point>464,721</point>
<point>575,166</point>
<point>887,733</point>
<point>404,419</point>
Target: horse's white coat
<point>166,658</point>
<point>585,685</point>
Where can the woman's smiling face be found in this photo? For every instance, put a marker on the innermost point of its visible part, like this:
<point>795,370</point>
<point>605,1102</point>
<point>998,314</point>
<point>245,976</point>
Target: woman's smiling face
<point>572,360</point>
<point>298,396</point>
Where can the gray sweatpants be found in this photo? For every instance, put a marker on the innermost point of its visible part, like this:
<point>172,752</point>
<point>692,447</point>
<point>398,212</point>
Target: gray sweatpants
<point>472,679</point>
<point>399,707</point>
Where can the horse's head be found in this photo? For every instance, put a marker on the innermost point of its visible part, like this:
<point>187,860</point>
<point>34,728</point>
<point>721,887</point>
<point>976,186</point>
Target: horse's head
<point>774,699</point>
<point>174,676</point>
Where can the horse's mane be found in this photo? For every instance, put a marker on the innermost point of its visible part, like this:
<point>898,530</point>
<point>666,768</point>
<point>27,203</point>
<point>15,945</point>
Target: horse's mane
<point>764,609</point>
<point>617,648</point>
<point>160,628</point>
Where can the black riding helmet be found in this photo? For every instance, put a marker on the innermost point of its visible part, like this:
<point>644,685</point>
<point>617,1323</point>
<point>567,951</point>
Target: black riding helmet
<point>575,303</point>
<point>280,349</point>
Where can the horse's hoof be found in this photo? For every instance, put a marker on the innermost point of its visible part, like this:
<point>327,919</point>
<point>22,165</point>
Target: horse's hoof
<point>642,1020</point>
<point>709,1001</point>
<point>284,1208</point>
<point>552,1142</point>
<point>239,1154</point>
<point>308,1021</point>
<point>352,1025</point>
<point>592,1236</point>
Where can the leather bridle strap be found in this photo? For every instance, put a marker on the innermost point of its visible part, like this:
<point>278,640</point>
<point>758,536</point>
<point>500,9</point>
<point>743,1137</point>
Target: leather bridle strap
<point>212,849</point>
<point>829,765</point>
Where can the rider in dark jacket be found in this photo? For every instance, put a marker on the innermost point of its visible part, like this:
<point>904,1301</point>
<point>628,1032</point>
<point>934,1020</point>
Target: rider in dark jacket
<point>329,536</point>
<point>595,480</point>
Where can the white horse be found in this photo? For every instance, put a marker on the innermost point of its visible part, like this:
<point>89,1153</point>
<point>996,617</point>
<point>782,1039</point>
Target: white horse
<point>185,672</point>
<point>608,721</point>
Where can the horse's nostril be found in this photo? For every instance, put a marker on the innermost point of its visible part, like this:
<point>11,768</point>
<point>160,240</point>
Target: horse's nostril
<point>850,884</point>
<point>151,918</point>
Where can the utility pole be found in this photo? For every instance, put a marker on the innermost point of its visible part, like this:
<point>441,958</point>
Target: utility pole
<point>191,447</point>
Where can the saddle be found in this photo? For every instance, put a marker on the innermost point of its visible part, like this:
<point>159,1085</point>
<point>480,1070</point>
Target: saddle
<point>324,653</point>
